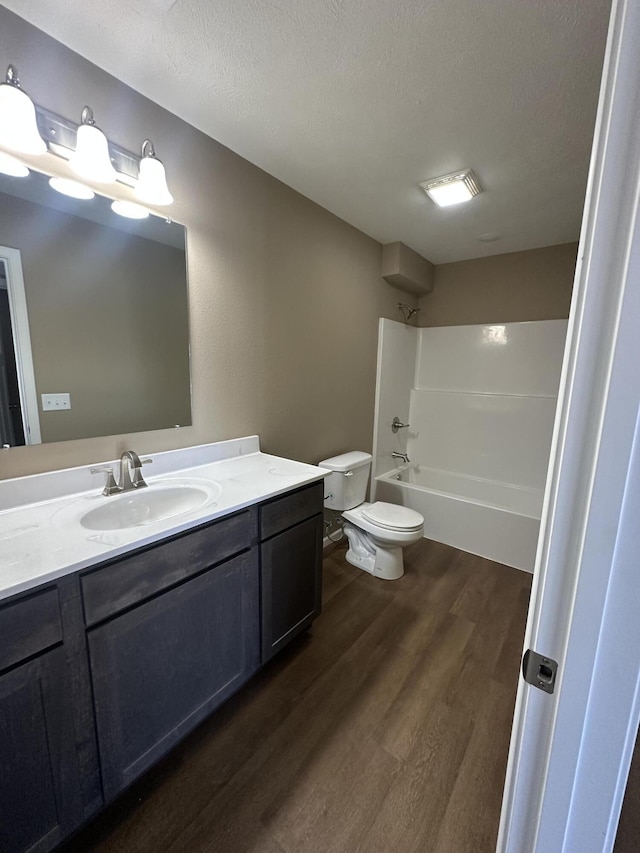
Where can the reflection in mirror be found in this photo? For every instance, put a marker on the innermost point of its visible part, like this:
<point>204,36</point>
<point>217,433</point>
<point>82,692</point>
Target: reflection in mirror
<point>94,336</point>
<point>19,419</point>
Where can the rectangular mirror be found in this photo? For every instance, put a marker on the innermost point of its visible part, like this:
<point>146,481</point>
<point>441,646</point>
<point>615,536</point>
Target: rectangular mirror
<point>94,328</point>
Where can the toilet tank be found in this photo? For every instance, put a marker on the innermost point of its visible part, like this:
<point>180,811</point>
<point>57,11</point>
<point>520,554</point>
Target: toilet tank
<point>346,485</point>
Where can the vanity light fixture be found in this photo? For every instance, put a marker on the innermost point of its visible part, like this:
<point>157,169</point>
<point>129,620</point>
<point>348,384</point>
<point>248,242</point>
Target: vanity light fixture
<point>91,159</point>
<point>129,209</point>
<point>12,166</point>
<point>30,128</point>
<point>71,188</point>
<point>452,189</point>
<point>18,125</point>
<point>152,180</point>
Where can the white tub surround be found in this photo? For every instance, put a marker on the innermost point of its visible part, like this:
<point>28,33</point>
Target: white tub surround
<point>397,352</point>
<point>41,534</point>
<point>481,404</point>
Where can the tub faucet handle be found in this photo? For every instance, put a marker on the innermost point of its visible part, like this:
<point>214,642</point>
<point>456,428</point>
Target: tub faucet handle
<point>397,424</point>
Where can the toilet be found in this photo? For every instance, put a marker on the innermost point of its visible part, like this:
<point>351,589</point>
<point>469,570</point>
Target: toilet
<point>377,532</point>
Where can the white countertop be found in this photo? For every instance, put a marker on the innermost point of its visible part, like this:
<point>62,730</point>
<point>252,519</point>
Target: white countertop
<point>41,541</point>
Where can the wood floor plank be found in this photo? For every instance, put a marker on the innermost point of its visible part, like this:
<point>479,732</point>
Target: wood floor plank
<point>494,633</point>
<point>470,822</point>
<point>383,729</point>
<point>628,834</point>
<point>476,593</point>
<point>457,570</point>
<point>509,659</point>
<point>427,684</point>
<point>336,574</point>
<point>417,800</point>
<point>318,815</point>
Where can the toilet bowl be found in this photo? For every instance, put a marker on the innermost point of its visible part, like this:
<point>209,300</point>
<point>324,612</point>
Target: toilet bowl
<point>377,532</point>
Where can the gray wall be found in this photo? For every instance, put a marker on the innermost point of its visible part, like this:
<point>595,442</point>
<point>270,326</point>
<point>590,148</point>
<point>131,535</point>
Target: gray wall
<point>284,297</point>
<point>510,288</point>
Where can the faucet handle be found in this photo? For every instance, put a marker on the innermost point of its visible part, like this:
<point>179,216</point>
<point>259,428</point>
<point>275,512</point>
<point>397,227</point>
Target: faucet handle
<point>111,487</point>
<point>137,479</point>
<point>397,424</point>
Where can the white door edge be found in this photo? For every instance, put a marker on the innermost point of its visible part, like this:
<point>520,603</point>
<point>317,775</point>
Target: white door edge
<point>22,341</point>
<point>376,414</point>
<point>555,799</point>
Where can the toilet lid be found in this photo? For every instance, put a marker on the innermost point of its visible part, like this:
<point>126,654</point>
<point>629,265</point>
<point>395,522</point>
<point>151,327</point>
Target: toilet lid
<point>392,516</point>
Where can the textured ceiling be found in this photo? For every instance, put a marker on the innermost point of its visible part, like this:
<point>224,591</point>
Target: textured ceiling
<point>353,102</point>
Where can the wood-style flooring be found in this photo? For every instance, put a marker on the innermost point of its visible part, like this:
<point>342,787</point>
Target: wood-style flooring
<point>385,729</point>
<point>628,835</point>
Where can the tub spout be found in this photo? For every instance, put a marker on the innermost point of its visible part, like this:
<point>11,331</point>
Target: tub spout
<point>403,456</point>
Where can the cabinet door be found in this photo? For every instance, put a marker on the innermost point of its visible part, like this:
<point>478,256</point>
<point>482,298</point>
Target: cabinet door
<point>40,800</point>
<point>161,668</point>
<point>291,589</point>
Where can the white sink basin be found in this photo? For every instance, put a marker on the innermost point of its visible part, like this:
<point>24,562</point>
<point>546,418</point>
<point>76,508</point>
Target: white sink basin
<point>159,501</point>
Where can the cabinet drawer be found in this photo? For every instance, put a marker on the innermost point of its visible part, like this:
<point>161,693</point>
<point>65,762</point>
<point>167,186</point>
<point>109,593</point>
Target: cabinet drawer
<point>280,513</point>
<point>114,587</point>
<point>29,626</point>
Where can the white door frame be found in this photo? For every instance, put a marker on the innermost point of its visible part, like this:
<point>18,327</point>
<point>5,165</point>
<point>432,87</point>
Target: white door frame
<point>22,344</point>
<point>570,752</point>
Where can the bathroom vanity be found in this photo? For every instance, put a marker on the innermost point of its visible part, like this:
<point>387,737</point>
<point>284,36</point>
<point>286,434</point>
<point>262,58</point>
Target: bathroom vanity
<point>106,665</point>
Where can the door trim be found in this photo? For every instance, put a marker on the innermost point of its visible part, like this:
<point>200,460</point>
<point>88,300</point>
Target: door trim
<point>22,343</point>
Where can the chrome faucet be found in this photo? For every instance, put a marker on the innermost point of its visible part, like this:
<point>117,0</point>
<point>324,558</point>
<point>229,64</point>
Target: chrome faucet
<point>129,462</point>
<point>403,456</point>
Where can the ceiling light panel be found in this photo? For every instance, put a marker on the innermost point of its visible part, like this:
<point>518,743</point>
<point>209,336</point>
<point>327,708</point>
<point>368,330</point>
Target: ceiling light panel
<point>452,189</point>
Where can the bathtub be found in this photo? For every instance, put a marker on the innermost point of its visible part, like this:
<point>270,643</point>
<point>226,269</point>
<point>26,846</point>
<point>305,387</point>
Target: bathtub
<point>493,520</point>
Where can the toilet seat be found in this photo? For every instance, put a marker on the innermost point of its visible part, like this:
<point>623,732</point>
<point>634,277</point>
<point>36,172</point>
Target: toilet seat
<point>392,516</point>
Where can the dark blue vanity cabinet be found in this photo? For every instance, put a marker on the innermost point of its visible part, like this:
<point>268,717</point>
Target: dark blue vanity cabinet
<point>291,530</point>
<point>49,777</point>
<point>104,671</point>
<point>162,661</point>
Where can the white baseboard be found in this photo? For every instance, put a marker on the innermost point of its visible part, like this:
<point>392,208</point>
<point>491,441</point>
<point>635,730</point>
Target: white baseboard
<point>326,541</point>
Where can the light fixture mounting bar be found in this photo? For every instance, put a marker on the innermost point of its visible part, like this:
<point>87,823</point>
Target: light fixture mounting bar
<point>60,135</point>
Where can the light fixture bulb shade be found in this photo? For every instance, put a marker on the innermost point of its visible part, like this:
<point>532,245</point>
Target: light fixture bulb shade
<point>152,182</point>
<point>11,166</point>
<point>91,159</point>
<point>129,209</point>
<point>18,125</point>
<point>74,189</point>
